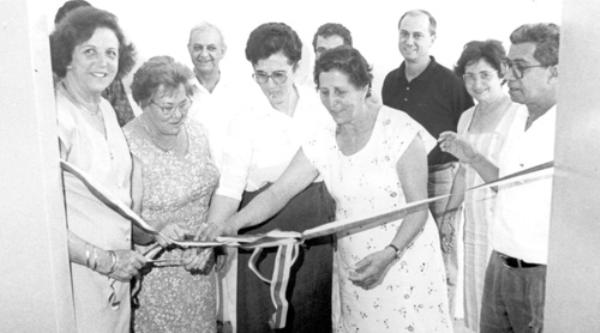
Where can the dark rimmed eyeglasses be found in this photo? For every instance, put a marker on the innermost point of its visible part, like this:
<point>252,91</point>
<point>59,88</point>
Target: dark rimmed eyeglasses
<point>518,69</point>
<point>278,77</point>
<point>169,109</point>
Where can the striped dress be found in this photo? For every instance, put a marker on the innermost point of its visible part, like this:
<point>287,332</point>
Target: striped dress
<point>478,210</point>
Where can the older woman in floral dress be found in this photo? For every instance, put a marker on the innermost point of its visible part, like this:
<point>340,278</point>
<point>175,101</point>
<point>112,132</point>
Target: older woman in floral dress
<point>389,278</point>
<point>174,179</point>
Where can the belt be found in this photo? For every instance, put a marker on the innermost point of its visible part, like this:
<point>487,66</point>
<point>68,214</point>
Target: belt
<point>517,263</point>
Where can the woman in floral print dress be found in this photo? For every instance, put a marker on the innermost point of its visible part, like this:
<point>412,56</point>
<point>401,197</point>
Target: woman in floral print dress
<point>177,178</point>
<point>388,278</point>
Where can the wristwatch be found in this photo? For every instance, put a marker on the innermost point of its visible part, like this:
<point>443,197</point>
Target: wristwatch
<point>397,252</point>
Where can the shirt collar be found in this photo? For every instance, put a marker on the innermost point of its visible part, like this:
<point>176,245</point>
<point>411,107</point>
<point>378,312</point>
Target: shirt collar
<point>427,73</point>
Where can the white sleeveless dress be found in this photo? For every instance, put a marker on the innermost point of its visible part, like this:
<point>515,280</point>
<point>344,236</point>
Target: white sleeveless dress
<point>412,296</point>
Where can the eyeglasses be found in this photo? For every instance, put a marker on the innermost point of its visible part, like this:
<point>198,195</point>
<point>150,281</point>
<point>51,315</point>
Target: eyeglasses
<point>279,77</point>
<point>518,69</point>
<point>169,110</point>
<point>484,76</point>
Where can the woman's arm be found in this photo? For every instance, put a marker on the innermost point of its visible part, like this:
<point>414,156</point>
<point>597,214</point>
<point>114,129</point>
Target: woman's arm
<point>118,264</point>
<point>412,172</point>
<point>457,194</point>
<point>447,224</point>
<point>297,176</point>
<point>139,236</point>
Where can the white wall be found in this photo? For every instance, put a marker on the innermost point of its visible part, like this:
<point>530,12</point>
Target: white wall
<point>572,302</point>
<point>162,27</point>
<point>35,281</point>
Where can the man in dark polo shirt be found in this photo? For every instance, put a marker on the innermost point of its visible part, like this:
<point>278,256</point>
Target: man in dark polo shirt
<point>435,97</point>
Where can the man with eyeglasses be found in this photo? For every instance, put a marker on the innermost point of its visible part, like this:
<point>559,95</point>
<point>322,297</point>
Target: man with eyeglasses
<point>435,97</point>
<point>514,288</point>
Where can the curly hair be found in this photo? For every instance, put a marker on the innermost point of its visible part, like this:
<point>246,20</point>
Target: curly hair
<point>77,27</point>
<point>160,71</point>
<point>545,36</point>
<point>491,51</point>
<point>347,60</point>
<point>270,38</point>
<point>67,7</point>
<point>333,29</point>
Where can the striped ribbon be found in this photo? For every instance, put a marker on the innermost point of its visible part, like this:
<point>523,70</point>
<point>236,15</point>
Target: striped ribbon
<point>288,242</point>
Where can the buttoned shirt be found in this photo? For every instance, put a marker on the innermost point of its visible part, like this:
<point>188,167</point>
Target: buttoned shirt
<point>263,141</point>
<point>436,98</point>
<point>522,221</point>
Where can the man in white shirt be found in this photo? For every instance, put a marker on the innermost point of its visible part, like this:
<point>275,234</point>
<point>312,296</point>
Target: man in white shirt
<point>214,105</point>
<point>514,287</point>
<point>214,108</point>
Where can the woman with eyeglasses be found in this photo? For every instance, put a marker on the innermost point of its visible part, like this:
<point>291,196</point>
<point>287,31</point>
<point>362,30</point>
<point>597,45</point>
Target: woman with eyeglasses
<point>174,178</point>
<point>483,127</point>
<point>389,277</point>
<point>262,143</point>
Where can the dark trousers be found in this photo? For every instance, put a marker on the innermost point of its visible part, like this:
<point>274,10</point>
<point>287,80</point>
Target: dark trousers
<point>513,298</point>
<point>309,289</point>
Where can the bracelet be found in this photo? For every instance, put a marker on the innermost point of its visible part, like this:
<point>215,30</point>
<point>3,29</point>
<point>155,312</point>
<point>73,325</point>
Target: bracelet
<point>113,264</point>
<point>397,252</point>
<point>87,255</point>
<point>94,259</point>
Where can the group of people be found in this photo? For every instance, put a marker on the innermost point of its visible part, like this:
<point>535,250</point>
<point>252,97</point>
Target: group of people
<point>197,164</point>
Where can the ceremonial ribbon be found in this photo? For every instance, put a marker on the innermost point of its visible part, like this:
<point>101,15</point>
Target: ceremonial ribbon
<point>288,242</point>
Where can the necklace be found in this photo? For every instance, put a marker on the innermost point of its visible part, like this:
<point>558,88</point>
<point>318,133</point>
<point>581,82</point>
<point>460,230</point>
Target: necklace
<point>96,120</point>
<point>93,108</point>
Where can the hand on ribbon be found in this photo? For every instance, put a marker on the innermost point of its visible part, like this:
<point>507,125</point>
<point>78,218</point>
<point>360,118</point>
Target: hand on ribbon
<point>451,143</point>
<point>169,233</point>
<point>210,231</point>
<point>127,265</point>
<point>198,260</point>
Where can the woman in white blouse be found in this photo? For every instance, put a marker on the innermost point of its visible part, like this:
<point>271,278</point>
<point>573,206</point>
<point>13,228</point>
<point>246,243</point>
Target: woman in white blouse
<point>262,142</point>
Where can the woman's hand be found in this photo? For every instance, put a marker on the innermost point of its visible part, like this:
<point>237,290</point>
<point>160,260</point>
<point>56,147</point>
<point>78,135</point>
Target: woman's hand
<point>461,149</point>
<point>170,233</point>
<point>224,258</point>
<point>371,270</point>
<point>448,230</point>
<point>127,265</point>
<point>198,260</point>
<point>210,231</point>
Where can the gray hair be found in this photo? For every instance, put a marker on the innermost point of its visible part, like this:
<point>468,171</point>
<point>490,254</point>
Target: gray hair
<point>204,26</point>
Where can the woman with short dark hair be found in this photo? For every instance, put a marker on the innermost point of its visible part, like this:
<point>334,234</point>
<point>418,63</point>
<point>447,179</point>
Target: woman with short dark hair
<point>262,143</point>
<point>387,278</point>
<point>88,51</point>
<point>484,126</point>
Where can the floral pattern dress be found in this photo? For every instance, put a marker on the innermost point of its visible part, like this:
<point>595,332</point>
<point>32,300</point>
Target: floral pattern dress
<point>412,296</point>
<point>176,190</point>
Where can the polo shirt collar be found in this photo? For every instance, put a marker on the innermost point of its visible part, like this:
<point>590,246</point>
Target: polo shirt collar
<point>427,73</point>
